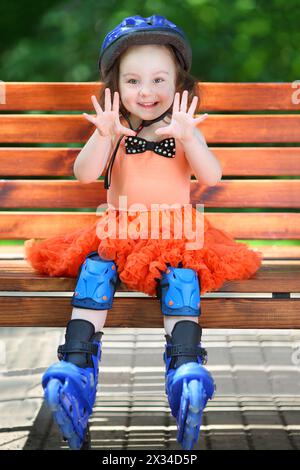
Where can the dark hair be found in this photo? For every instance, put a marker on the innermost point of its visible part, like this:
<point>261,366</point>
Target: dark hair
<point>184,81</point>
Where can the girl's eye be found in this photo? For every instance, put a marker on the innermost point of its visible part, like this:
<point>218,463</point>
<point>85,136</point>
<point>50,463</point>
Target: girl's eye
<point>133,79</point>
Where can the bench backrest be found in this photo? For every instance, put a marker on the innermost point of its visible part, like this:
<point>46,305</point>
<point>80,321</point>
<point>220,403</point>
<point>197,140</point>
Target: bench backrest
<point>38,150</point>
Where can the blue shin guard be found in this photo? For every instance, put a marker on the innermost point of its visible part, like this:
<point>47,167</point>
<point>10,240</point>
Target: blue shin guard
<point>70,387</point>
<point>188,384</point>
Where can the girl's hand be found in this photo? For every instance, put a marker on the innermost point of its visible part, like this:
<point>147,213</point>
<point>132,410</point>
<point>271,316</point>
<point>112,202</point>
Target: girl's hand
<point>183,124</point>
<point>107,121</point>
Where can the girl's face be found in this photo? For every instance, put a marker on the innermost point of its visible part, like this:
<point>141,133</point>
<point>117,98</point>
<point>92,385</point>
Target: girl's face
<point>147,80</point>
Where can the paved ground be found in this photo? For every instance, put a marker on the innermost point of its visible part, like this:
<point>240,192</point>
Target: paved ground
<point>257,404</point>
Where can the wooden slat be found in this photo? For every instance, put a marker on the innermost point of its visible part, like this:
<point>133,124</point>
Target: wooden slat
<point>26,161</point>
<point>11,251</point>
<point>279,252</point>
<point>22,225</point>
<point>258,225</point>
<point>248,193</point>
<point>248,225</point>
<point>280,276</point>
<point>218,96</point>
<point>249,96</point>
<point>50,96</point>
<point>216,128</point>
<point>235,161</point>
<point>38,128</point>
<point>270,252</point>
<point>258,161</point>
<point>146,313</point>
<point>72,194</point>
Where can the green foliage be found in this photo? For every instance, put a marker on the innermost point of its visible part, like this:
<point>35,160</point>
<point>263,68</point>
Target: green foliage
<point>241,40</point>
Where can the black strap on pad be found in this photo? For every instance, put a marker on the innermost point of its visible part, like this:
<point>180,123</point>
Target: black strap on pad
<point>76,346</point>
<point>186,350</point>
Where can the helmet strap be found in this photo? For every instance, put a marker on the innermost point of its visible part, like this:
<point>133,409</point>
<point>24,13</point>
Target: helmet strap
<point>146,123</point>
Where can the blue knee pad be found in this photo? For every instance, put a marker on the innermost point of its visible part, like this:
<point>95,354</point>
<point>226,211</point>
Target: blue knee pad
<point>179,292</point>
<point>97,282</point>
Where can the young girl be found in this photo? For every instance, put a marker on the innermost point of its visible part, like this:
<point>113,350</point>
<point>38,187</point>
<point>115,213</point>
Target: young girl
<point>149,130</point>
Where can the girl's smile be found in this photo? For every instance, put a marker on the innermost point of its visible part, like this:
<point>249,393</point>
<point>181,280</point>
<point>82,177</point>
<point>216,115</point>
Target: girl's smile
<point>148,105</point>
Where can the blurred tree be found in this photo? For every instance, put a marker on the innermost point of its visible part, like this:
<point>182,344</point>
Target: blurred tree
<point>241,40</point>
<point>19,20</point>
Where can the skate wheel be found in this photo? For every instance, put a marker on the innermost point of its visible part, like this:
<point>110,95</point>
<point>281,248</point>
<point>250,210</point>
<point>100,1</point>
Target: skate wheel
<point>86,445</point>
<point>53,396</point>
<point>189,418</point>
<point>182,413</point>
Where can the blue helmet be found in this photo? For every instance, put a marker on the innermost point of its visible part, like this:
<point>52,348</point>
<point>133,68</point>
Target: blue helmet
<point>136,30</point>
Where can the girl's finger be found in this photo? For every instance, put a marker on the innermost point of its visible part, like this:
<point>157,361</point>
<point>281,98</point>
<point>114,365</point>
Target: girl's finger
<point>126,131</point>
<point>89,118</point>
<point>107,99</point>
<point>193,106</point>
<point>161,131</point>
<point>183,106</point>
<point>116,102</point>
<point>201,118</point>
<point>176,103</point>
<point>97,106</point>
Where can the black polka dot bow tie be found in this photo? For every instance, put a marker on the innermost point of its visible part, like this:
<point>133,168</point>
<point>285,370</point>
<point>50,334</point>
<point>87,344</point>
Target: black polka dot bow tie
<point>165,147</point>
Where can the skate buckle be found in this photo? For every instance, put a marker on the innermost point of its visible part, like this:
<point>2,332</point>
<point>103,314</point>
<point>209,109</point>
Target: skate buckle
<point>186,350</point>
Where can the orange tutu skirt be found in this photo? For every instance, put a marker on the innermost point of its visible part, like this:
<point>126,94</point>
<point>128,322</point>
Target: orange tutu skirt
<point>144,244</point>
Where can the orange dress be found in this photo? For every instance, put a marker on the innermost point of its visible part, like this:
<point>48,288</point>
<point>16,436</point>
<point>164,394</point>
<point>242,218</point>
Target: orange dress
<point>149,224</point>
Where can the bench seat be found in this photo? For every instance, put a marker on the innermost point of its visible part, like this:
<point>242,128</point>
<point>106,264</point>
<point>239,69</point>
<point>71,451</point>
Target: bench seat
<point>253,129</point>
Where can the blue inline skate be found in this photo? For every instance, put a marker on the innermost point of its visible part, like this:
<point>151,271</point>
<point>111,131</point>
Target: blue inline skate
<point>188,384</point>
<point>70,387</point>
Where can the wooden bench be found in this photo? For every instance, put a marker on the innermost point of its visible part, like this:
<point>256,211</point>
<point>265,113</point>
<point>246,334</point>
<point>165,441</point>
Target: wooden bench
<point>36,176</point>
